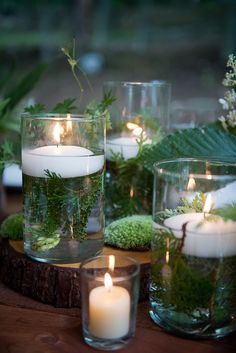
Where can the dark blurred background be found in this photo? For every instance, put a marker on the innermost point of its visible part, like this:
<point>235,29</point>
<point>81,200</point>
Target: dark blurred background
<point>184,42</point>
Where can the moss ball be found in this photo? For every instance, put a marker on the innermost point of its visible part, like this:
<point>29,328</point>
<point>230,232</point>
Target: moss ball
<point>130,233</point>
<point>12,227</point>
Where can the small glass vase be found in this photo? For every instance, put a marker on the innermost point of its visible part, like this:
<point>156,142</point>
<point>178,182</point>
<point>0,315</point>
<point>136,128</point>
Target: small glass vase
<point>139,117</point>
<point>109,294</point>
<point>193,267</point>
<point>63,168</point>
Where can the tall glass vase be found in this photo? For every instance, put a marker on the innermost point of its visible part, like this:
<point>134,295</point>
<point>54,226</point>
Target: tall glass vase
<point>139,117</point>
<point>63,167</point>
<point>193,268</point>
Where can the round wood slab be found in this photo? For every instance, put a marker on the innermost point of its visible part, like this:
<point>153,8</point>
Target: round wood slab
<point>58,285</point>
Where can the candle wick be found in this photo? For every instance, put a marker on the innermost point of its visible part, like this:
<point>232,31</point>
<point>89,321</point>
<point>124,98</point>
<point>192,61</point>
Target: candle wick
<point>183,237</point>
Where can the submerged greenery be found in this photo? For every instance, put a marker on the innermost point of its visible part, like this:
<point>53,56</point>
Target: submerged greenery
<point>202,288</point>
<point>56,206</point>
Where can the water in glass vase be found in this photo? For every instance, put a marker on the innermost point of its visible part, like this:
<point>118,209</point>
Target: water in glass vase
<point>128,189</point>
<point>63,217</point>
<point>191,295</point>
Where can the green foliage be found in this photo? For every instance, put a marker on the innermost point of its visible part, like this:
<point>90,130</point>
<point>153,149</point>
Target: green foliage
<point>190,285</point>
<point>95,110</point>
<point>128,188</point>
<point>228,212</point>
<point>59,205</point>
<point>205,142</point>
<point>12,227</point>
<point>37,108</point>
<point>196,205</point>
<point>24,86</point>
<point>65,107</point>
<point>75,67</point>
<point>130,233</point>
<point>7,155</point>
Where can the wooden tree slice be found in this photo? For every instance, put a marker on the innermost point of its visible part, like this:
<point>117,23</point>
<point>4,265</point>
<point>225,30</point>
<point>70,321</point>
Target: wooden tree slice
<point>58,285</point>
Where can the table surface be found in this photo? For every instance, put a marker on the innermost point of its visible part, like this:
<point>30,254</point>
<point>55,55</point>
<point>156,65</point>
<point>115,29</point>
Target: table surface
<point>27,326</point>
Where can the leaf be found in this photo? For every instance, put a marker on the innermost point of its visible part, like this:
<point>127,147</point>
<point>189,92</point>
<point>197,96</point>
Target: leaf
<point>209,141</point>
<point>65,107</point>
<point>3,104</point>
<point>228,212</point>
<point>35,109</point>
<point>25,85</point>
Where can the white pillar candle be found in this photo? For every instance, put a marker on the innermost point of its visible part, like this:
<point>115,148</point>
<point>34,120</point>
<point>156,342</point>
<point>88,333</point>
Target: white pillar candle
<point>68,161</point>
<point>204,238</point>
<point>127,146</point>
<point>109,310</point>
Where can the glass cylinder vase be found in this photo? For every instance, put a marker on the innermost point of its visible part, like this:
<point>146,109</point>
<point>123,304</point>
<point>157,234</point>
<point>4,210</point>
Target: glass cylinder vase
<point>139,117</point>
<point>63,167</point>
<point>193,268</point>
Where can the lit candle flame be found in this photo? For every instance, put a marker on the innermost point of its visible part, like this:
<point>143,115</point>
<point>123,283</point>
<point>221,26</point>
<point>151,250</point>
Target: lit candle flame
<point>191,184</point>
<point>111,262</point>
<point>208,204</point>
<point>208,175</point>
<point>68,123</point>
<point>136,130</point>
<point>167,256</point>
<point>57,133</point>
<point>108,281</point>
<point>167,251</point>
<point>131,193</point>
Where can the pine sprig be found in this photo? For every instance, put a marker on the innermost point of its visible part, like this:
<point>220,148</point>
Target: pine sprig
<point>60,206</point>
<point>228,212</point>
<point>37,108</point>
<point>67,106</point>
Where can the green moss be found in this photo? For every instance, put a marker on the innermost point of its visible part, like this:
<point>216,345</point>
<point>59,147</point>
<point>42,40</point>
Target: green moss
<point>12,227</point>
<point>130,233</point>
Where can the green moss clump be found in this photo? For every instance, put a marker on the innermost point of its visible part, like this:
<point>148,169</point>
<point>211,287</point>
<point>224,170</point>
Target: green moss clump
<point>12,227</point>
<point>130,233</point>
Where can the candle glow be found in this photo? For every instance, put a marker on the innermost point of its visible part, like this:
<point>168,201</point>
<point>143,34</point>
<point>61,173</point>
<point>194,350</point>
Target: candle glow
<point>208,204</point>
<point>57,133</point>
<point>111,262</point>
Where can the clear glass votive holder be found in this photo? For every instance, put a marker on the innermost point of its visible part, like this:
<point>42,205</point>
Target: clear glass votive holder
<point>193,267</point>
<point>63,171</point>
<point>109,298</point>
<point>139,118</point>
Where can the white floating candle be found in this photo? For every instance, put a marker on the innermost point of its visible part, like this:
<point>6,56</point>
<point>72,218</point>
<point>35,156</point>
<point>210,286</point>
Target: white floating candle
<point>126,146</point>
<point>210,238</point>
<point>204,238</point>
<point>109,310</point>
<point>68,161</point>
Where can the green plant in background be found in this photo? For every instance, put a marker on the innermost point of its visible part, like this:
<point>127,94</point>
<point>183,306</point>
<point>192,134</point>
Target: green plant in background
<point>12,227</point>
<point>12,94</point>
<point>229,101</point>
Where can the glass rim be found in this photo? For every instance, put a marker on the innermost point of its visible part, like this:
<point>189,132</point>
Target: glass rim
<point>118,144</point>
<point>62,117</point>
<point>194,232</point>
<point>131,259</point>
<point>212,160</point>
<point>135,84</point>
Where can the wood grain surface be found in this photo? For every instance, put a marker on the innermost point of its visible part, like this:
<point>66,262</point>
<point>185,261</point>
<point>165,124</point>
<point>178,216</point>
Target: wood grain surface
<point>27,326</point>
<point>58,285</point>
